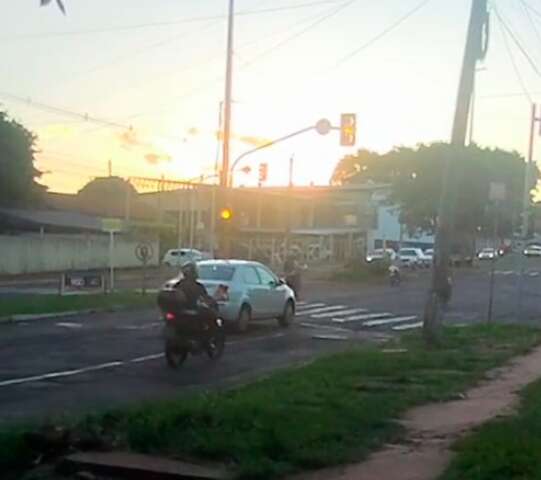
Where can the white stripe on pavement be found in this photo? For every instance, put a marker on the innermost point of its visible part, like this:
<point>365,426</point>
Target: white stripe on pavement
<point>110,365</point>
<point>321,310</point>
<point>388,321</point>
<point>310,306</point>
<point>344,312</point>
<point>358,318</point>
<point>324,327</point>
<point>407,326</point>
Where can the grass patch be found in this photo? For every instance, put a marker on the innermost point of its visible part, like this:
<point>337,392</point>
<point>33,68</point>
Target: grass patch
<point>35,304</point>
<point>332,411</point>
<point>505,448</point>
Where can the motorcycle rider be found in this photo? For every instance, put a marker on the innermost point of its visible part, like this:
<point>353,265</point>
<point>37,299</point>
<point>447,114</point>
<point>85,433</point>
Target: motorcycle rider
<point>292,273</point>
<point>196,295</point>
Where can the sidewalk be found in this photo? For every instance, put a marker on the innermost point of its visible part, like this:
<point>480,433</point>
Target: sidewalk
<point>433,429</point>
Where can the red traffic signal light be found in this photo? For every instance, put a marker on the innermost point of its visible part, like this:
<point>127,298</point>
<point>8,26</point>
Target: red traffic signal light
<point>263,172</point>
<point>348,129</point>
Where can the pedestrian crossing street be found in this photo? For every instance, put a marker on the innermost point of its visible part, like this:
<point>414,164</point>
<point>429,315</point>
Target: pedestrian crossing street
<point>346,317</point>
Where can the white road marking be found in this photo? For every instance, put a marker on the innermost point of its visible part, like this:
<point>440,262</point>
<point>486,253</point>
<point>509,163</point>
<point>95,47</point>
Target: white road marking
<point>408,326</point>
<point>69,325</point>
<point>301,304</point>
<point>534,274</point>
<point>387,321</point>
<point>110,365</point>
<point>324,327</point>
<point>321,310</point>
<point>344,312</point>
<point>146,358</point>
<point>65,373</point>
<point>357,318</point>
<point>310,306</point>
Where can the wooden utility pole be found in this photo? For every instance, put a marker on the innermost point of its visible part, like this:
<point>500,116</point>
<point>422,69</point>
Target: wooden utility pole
<point>440,292</point>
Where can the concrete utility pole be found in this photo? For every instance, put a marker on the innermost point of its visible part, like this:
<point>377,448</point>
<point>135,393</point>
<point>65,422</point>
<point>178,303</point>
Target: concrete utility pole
<point>526,201</point>
<point>224,180</point>
<point>476,47</point>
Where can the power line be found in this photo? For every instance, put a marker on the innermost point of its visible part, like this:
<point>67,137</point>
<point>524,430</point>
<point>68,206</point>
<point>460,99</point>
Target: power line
<point>318,20</point>
<point>382,34</point>
<point>532,9</point>
<point>512,58</point>
<point>517,42</point>
<point>531,20</point>
<point>166,23</point>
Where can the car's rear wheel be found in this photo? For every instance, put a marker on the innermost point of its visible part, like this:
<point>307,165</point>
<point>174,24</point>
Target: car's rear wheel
<point>288,317</point>
<point>245,316</point>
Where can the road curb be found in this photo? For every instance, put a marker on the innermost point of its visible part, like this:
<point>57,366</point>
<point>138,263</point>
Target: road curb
<point>31,317</point>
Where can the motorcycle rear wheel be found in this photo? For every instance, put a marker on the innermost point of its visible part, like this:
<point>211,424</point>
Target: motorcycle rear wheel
<point>175,356</point>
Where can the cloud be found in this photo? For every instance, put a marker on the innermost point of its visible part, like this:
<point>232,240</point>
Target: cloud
<point>156,158</point>
<point>246,139</point>
<point>129,139</point>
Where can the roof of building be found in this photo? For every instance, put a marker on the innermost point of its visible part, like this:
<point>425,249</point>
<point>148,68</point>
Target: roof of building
<point>22,218</point>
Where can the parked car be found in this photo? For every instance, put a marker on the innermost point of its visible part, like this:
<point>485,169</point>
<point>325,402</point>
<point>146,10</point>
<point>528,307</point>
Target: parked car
<point>533,251</point>
<point>411,257</point>
<point>247,291</point>
<point>428,256</point>
<point>487,254</point>
<point>177,257</point>
<point>379,254</point>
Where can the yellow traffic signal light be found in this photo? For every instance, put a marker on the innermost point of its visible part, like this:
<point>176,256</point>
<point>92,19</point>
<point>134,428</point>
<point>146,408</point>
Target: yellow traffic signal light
<point>226,214</point>
<point>348,129</point>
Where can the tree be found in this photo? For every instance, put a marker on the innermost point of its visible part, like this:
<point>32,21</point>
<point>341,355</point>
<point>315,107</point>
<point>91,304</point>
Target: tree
<point>18,186</point>
<point>414,175</point>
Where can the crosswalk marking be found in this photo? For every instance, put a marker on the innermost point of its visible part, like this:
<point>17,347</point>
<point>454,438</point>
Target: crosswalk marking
<point>301,304</point>
<point>389,321</point>
<point>321,310</point>
<point>357,318</point>
<point>309,306</point>
<point>407,326</point>
<point>343,312</point>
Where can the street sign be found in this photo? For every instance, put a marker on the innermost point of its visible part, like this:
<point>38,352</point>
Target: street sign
<point>112,224</point>
<point>348,129</point>
<point>144,252</point>
<point>323,126</point>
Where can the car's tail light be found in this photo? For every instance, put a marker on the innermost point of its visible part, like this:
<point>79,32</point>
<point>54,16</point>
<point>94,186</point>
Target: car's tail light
<point>169,316</point>
<point>222,293</point>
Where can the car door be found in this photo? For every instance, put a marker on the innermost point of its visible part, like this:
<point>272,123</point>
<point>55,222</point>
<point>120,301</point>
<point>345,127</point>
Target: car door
<point>254,290</point>
<point>274,292</point>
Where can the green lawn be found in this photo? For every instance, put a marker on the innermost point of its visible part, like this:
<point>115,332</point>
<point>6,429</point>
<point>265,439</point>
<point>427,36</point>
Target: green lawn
<point>504,449</point>
<point>34,304</point>
<point>334,410</point>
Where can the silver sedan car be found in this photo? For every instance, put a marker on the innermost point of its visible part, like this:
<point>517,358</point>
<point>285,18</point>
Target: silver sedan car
<point>247,291</point>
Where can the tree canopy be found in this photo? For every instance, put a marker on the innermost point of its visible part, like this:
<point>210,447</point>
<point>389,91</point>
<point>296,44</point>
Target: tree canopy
<point>18,186</point>
<point>415,179</point>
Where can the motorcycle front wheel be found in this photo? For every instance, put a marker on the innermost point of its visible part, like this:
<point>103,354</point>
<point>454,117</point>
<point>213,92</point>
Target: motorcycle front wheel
<point>175,355</point>
<point>216,344</point>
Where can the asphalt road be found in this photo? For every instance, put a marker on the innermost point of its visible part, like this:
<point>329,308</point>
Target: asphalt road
<point>91,362</point>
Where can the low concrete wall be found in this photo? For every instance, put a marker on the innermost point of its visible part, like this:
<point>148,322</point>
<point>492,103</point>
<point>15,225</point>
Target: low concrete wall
<point>32,253</point>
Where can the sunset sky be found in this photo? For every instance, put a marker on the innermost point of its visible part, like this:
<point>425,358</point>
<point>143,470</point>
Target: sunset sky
<point>158,66</point>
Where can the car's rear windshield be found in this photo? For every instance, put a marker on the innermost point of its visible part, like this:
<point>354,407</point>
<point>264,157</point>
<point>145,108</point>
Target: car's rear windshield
<point>216,272</point>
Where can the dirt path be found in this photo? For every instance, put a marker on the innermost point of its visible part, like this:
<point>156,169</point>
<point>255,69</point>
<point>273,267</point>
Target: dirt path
<point>433,428</point>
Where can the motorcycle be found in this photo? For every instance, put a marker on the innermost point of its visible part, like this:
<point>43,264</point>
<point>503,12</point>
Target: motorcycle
<point>190,331</point>
<point>394,276</point>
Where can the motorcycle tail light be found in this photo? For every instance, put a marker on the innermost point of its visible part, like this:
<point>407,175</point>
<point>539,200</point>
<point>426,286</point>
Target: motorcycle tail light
<point>222,293</point>
<point>169,316</point>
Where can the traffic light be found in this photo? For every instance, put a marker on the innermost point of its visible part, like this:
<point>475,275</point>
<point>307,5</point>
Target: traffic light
<point>263,172</point>
<point>348,129</point>
<point>226,214</point>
